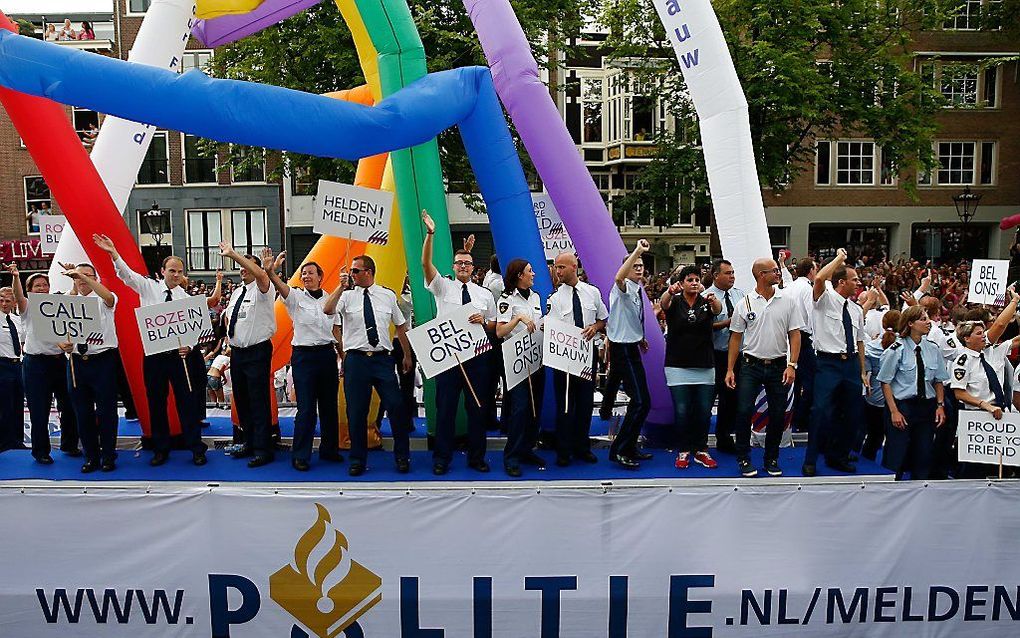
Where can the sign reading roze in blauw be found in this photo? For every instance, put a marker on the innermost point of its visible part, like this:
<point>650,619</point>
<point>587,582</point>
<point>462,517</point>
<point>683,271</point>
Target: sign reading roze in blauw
<point>353,212</point>
<point>62,318</point>
<point>567,350</point>
<point>171,325</point>
<point>448,341</point>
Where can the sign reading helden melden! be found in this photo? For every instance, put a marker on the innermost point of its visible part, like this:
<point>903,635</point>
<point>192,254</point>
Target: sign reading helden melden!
<point>171,325</point>
<point>353,212</point>
<point>448,341</point>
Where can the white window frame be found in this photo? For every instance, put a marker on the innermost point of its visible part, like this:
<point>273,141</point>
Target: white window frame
<point>195,53</point>
<point>28,202</point>
<point>212,248</point>
<point>835,167</point>
<point>585,98</point>
<point>958,84</point>
<point>184,165</point>
<point>241,244</point>
<point>129,12</point>
<point>833,159</point>
<point>974,168</point>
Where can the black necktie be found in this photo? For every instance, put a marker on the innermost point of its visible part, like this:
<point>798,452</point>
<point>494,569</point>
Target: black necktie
<point>83,348</point>
<point>465,296</point>
<point>169,295</point>
<point>993,382</point>
<point>922,391</point>
<point>370,328</point>
<point>729,304</point>
<point>848,329</point>
<point>234,312</point>
<point>578,313</point>
<point>14,336</point>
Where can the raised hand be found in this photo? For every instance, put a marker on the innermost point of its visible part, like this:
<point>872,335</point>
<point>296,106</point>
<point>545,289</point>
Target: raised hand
<point>642,246</point>
<point>226,250</point>
<point>105,243</point>
<point>219,276</point>
<point>278,262</point>
<point>12,268</point>
<point>266,255</point>
<point>430,226</point>
<point>469,243</point>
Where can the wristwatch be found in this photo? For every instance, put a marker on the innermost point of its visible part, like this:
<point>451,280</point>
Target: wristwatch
<point>792,364</point>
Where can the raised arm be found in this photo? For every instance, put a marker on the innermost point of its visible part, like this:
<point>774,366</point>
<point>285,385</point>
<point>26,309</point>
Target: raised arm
<point>217,294</point>
<point>1004,318</point>
<point>138,283</point>
<point>19,290</point>
<point>330,307</point>
<point>101,291</point>
<point>256,271</point>
<point>273,270</point>
<point>426,248</point>
<point>621,274</point>
<point>825,274</point>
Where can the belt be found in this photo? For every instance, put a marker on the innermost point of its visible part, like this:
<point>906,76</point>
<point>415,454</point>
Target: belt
<point>842,356</point>
<point>91,355</point>
<point>47,356</point>
<point>765,362</point>
<point>367,353</point>
<point>11,360</point>
<point>313,348</point>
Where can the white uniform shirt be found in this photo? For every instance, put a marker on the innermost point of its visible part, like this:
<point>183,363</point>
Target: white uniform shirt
<point>449,295</point>
<point>721,337</point>
<point>765,324</point>
<point>350,315</point>
<point>626,312</point>
<point>6,340</point>
<point>150,292</point>
<point>312,326</point>
<point>510,305</point>
<point>561,304</point>
<point>494,282</point>
<point>829,335</point>
<point>106,315</point>
<point>801,291</point>
<point>968,373</point>
<point>33,345</point>
<point>256,320</point>
<point>873,322</point>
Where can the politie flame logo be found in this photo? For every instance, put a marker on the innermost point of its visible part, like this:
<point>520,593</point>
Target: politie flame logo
<point>323,587</point>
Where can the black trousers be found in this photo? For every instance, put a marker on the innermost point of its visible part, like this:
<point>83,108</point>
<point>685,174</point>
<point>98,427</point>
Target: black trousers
<point>12,406</point>
<point>164,371</point>
<point>613,381</point>
<point>362,374</point>
<point>450,387</point>
<point>316,383</point>
<point>250,370</point>
<point>522,430</point>
<point>573,417</point>
<point>753,376</point>
<point>874,418</point>
<point>46,379</point>
<point>910,449</point>
<point>627,365</point>
<point>726,412</point>
<point>804,384</point>
<point>94,398</point>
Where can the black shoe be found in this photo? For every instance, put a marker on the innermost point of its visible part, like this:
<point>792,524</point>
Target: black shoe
<point>809,470</point>
<point>853,457</point>
<point>89,467</point>
<point>109,465</point>
<point>159,458</point>
<point>356,469</point>
<point>562,461</point>
<point>259,460</point>
<point>333,458</point>
<point>587,457</point>
<point>640,455</point>
<point>198,458</point>
<point>533,459</point>
<point>842,465</point>
<point>242,452</point>
<point>439,469</point>
<point>300,465</point>
<point>45,459</point>
<point>746,469</point>
<point>479,466</point>
<point>74,454</point>
<point>404,466</point>
<point>625,461</point>
<point>772,467</point>
<point>513,471</point>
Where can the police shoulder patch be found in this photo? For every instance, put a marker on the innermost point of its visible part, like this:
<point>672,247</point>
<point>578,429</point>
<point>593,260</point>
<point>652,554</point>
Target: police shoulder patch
<point>504,306</point>
<point>895,345</point>
<point>962,360</point>
<point>959,374</point>
<point>950,343</point>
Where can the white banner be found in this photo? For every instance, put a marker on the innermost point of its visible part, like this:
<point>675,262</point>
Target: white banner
<point>51,227</point>
<point>566,349</point>
<point>513,563</point>
<point>982,439</point>
<point>354,212</point>
<point>555,239</point>
<point>522,356</point>
<point>121,145</point>
<point>446,341</point>
<point>60,318</point>
<point>988,281</point>
<point>171,325</point>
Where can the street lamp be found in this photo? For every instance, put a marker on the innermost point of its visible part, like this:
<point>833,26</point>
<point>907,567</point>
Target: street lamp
<point>966,204</point>
<point>153,219</point>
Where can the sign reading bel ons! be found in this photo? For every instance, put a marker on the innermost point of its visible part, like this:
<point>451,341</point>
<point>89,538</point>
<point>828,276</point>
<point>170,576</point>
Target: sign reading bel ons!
<point>168,326</point>
<point>567,350</point>
<point>448,340</point>
<point>522,356</point>
<point>60,318</point>
<point>988,281</point>
<point>362,214</point>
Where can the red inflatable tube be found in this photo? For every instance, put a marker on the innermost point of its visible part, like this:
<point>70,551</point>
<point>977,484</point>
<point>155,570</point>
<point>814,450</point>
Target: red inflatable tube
<point>1009,222</point>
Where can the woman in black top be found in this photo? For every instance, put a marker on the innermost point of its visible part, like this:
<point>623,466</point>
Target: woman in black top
<point>690,363</point>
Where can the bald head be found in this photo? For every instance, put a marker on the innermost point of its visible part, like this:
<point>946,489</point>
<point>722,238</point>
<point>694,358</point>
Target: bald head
<point>565,266</point>
<point>766,271</point>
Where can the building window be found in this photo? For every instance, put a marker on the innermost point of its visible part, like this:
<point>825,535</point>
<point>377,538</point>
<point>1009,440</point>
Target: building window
<point>591,113</point>
<point>252,164</point>
<point>205,232</point>
<point>962,85</point>
<point>855,163</point>
<point>194,60</point>
<point>37,202</point>
<point>86,125</point>
<point>887,170</point>
<point>869,243</point>
<point>966,17</point>
<point>155,167</point>
<point>987,163</point>
<point>959,85</point>
<point>199,168</point>
<point>248,230</point>
<point>823,163</point>
<point>138,6</point>
<point>614,104</point>
<point>956,163</point>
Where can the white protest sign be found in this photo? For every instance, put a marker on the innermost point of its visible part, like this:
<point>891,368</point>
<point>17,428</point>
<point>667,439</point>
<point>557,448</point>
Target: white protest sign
<point>567,350</point>
<point>555,239</point>
<point>60,318</point>
<point>443,342</point>
<point>51,227</point>
<point>522,356</point>
<point>982,439</point>
<point>988,280</point>
<point>168,326</point>
<point>363,214</point>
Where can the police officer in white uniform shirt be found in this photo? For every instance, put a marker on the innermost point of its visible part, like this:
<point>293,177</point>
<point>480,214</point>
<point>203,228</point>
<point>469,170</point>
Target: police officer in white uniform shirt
<point>313,362</point>
<point>450,385</point>
<point>765,333</point>
<point>723,279</point>
<point>579,304</point>
<point>801,290</point>
<point>366,315</point>
<point>165,370</point>
<point>12,388</point>
<point>251,323</point>
<point>93,393</point>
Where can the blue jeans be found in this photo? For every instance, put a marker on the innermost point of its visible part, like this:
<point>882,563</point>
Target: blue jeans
<point>753,375</point>
<point>838,409</point>
<point>692,406</point>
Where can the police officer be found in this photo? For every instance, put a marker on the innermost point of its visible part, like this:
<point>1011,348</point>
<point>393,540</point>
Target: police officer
<point>912,375</point>
<point>580,304</point>
<point>93,392</point>
<point>723,280</point>
<point>365,315</point>
<point>765,334</point>
<point>251,323</point>
<point>450,385</point>
<point>165,370</point>
<point>313,362</point>
<point>519,308</point>
<point>802,291</point>
<point>837,411</point>
<point>45,377</point>
<point>12,388</point>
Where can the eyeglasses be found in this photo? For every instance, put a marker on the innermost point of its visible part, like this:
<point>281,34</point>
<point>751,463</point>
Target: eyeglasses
<point>355,271</point>
<point>461,262</point>
<point>765,270</point>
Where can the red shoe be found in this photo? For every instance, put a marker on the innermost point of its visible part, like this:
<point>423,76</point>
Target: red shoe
<point>682,461</point>
<point>704,459</point>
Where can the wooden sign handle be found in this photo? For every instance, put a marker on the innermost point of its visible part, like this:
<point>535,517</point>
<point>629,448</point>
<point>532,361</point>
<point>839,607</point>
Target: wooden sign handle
<point>184,362</point>
<point>467,380</point>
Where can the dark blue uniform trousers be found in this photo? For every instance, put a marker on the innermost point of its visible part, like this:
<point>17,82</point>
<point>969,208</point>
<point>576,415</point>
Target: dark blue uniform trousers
<point>362,372</point>
<point>522,430</point>
<point>804,386</point>
<point>250,375</point>
<point>164,371</point>
<point>12,406</point>
<point>911,449</point>
<point>46,378</point>
<point>93,392</point>
<point>574,422</point>
<point>838,408</point>
<point>316,383</point>
<point>450,386</point>
<point>626,362</point>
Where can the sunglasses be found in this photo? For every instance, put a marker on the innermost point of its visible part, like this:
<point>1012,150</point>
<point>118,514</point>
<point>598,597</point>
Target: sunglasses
<point>355,271</point>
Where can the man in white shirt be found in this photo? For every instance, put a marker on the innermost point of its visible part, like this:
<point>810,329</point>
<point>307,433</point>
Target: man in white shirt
<point>451,386</point>
<point>366,315</point>
<point>12,387</point>
<point>838,409</point>
<point>580,304</point>
<point>804,389</point>
<point>165,370</point>
<point>723,280</point>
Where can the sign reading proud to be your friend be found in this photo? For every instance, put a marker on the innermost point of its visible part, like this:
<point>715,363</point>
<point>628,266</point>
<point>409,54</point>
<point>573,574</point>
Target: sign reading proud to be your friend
<point>988,281</point>
<point>567,350</point>
<point>448,340</point>
<point>982,439</point>
<point>61,318</point>
<point>362,214</point>
<point>522,356</point>
<point>171,325</point>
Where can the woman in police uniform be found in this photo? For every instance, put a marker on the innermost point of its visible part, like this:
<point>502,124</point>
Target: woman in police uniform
<point>912,374</point>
